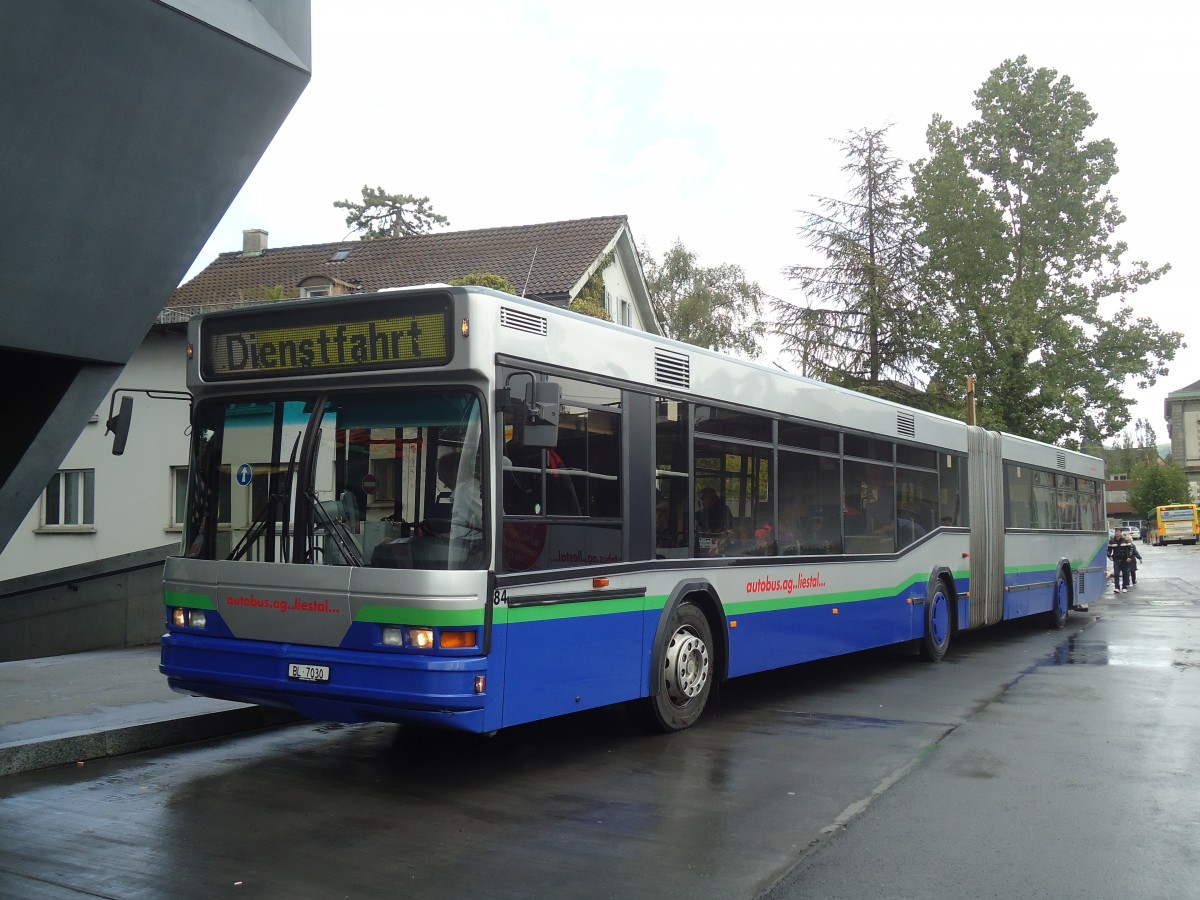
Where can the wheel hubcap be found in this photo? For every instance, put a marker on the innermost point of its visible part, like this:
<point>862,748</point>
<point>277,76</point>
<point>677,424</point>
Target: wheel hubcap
<point>686,666</point>
<point>940,619</point>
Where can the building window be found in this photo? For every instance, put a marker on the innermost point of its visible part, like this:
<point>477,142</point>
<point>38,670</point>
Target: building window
<point>70,499</point>
<point>308,292</point>
<point>626,314</point>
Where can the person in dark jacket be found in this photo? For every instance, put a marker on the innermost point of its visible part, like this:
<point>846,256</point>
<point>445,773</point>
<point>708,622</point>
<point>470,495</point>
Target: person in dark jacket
<point>1133,565</point>
<point>1120,551</point>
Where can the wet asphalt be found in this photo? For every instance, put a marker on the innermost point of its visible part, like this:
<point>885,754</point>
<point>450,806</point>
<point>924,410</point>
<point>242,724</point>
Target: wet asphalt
<point>1031,762</point>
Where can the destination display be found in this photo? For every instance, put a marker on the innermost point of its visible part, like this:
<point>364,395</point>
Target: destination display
<point>333,336</point>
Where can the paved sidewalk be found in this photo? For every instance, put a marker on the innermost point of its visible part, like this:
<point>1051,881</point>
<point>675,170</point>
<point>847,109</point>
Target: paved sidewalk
<point>65,709</point>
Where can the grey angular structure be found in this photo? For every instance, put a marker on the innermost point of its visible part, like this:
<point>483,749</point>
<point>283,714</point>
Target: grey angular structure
<point>127,130</point>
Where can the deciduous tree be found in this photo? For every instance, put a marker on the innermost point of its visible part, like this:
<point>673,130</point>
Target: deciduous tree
<point>1024,283</point>
<point>716,307</point>
<point>1157,484</point>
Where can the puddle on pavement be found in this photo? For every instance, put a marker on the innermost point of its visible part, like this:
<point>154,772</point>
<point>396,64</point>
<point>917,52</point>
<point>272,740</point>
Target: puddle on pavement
<point>1080,651</point>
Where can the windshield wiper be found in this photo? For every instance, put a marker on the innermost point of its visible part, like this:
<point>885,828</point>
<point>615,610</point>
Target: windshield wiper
<point>266,515</point>
<point>335,529</point>
<point>257,528</point>
<point>285,542</point>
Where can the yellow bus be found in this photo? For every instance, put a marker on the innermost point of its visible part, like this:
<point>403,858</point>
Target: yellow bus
<point>1176,523</point>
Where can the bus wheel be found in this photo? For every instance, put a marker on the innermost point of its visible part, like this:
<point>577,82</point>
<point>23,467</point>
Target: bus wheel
<point>1062,602</point>
<point>938,624</point>
<point>687,673</point>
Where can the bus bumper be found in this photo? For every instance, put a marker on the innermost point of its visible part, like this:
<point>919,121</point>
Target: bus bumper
<point>361,687</point>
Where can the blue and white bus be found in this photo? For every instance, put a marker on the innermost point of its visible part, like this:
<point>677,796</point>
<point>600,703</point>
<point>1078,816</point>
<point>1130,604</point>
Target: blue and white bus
<point>457,507</point>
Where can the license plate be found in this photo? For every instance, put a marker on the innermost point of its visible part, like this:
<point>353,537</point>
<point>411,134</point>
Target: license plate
<point>304,672</point>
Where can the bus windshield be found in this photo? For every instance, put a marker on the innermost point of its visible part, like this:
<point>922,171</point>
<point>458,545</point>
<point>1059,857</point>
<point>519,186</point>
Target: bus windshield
<point>366,478</point>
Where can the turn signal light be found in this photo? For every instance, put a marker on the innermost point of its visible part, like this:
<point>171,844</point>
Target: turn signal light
<point>457,640</point>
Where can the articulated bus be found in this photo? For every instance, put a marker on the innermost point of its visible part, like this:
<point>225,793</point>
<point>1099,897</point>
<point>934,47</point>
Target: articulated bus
<point>453,506</point>
<point>1176,523</point>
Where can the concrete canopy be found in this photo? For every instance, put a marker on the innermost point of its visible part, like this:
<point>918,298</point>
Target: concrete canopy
<point>128,129</point>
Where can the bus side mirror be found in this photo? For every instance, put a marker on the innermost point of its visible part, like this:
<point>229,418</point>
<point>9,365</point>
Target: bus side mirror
<point>118,425</point>
<point>536,417</point>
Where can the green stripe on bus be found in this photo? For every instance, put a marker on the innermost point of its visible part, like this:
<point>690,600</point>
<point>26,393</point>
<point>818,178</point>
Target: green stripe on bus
<point>191,601</point>
<point>408,615</point>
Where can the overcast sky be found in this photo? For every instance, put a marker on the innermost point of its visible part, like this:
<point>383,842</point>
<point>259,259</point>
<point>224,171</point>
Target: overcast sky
<point>712,122</point>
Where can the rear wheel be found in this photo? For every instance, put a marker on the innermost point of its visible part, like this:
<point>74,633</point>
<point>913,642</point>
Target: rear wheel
<point>686,660</point>
<point>939,622</point>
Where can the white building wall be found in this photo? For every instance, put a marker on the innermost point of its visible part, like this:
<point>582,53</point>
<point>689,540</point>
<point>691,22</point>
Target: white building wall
<point>133,492</point>
<point>617,293</point>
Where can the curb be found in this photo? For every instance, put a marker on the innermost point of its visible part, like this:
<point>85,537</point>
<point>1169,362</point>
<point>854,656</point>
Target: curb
<point>78,747</point>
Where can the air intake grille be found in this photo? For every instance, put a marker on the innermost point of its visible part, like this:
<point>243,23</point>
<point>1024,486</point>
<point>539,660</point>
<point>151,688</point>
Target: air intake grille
<point>906,424</point>
<point>523,321</point>
<point>1062,460</point>
<point>672,368</point>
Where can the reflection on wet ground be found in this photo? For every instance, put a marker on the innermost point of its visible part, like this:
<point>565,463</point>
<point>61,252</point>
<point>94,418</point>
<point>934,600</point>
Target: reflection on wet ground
<point>1080,650</point>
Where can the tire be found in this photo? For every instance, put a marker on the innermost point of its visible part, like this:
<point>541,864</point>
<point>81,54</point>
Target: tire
<point>687,670</point>
<point>939,623</point>
<point>1057,617</point>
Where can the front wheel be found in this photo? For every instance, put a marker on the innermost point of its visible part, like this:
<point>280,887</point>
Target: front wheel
<point>939,623</point>
<point>1062,602</point>
<point>686,666</point>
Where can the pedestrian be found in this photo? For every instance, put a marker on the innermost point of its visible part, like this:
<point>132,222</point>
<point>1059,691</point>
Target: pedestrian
<point>1120,551</point>
<point>1133,563</point>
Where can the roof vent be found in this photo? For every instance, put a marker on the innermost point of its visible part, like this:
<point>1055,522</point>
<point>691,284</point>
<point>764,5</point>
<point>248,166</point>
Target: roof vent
<point>906,424</point>
<point>672,368</point>
<point>1062,459</point>
<point>521,320</point>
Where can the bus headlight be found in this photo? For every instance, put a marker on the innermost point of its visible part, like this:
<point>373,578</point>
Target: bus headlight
<point>393,636</point>
<point>421,638</point>
<point>182,617</point>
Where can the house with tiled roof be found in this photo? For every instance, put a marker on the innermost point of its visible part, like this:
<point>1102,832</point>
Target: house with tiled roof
<point>102,511</point>
<point>550,262</point>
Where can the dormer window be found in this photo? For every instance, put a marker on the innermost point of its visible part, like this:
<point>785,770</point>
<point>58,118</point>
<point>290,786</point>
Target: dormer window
<point>316,286</point>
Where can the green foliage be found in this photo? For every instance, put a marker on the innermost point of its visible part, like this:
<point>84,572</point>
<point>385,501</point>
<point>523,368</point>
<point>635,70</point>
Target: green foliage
<point>486,279</point>
<point>590,299</point>
<point>381,214</point>
<point>1157,484</point>
<point>714,307</point>
<point>591,308</point>
<point>856,325</point>
<point>264,293</point>
<point>1017,225</point>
